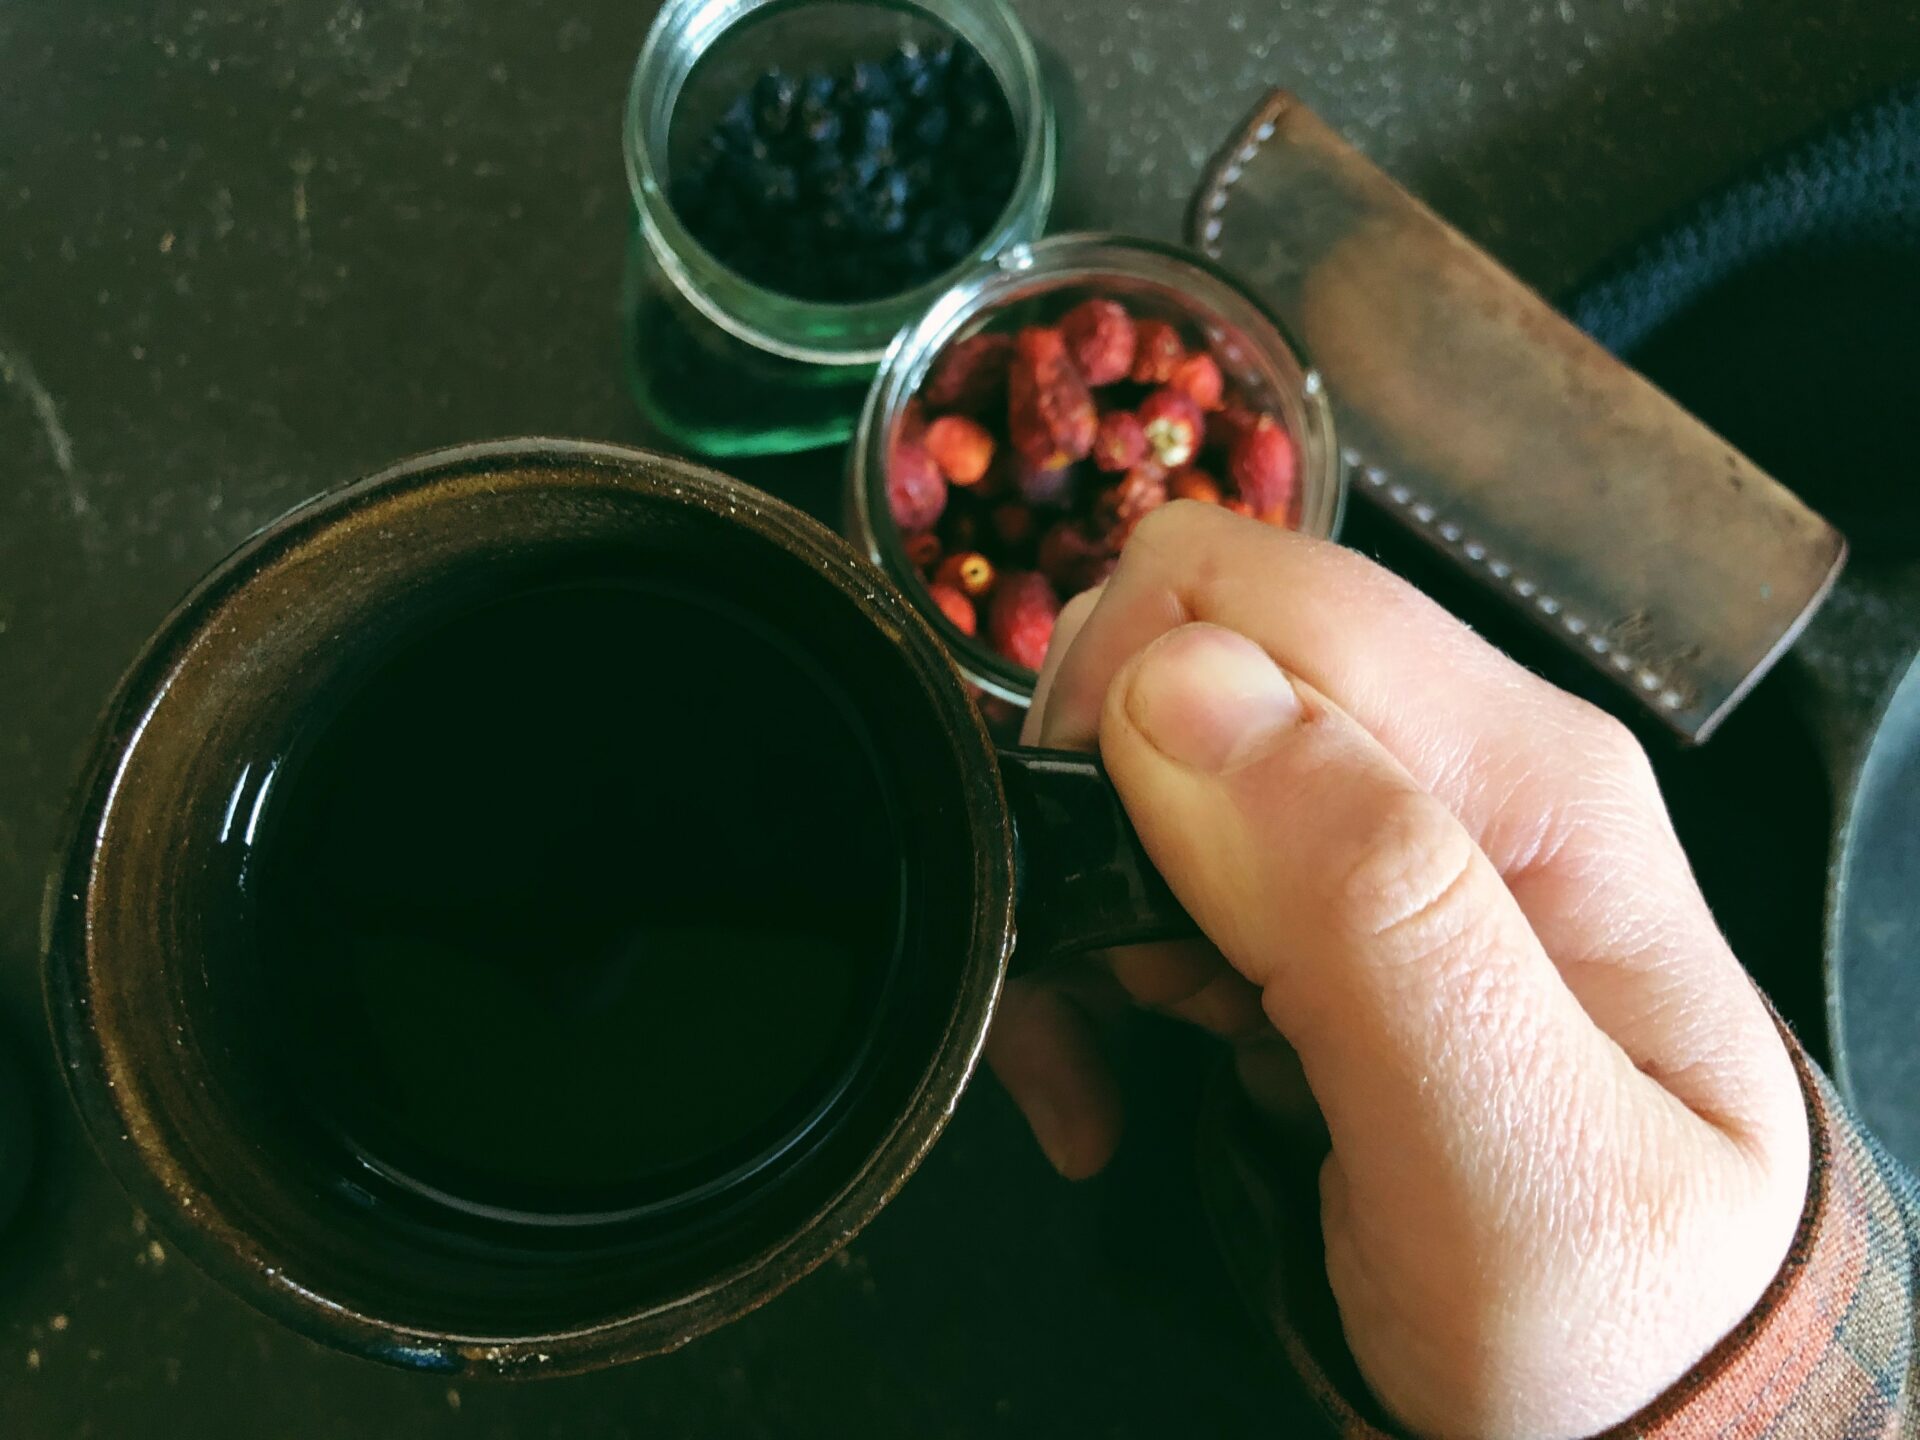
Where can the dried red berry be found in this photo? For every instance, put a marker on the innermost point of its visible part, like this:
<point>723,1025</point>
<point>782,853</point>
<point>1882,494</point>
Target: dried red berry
<point>923,550</point>
<point>1050,415</point>
<point>1193,484</point>
<point>1142,490</point>
<point>1157,352</point>
<point>1198,377</point>
<point>1049,488</point>
<point>1119,510</point>
<point>971,573</point>
<point>1226,427</point>
<point>1262,466</point>
<point>1070,557</point>
<point>1173,424</point>
<point>1020,617</point>
<point>960,447</point>
<point>1120,443</point>
<point>913,420</point>
<point>955,606</point>
<point>1013,522</point>
<point>916,493</point>
<point>1100,338</point>
<point>970,375</point>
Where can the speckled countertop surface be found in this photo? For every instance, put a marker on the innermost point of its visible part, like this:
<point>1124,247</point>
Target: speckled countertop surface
<point>249,251</point>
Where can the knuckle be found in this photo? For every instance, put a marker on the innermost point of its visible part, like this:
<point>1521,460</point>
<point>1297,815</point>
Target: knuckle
<point>1409,877</point>
<point>1611,749</point>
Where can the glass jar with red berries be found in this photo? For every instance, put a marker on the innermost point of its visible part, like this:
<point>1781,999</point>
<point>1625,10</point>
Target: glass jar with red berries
<point>808,176</point>
<point>1019,430</point>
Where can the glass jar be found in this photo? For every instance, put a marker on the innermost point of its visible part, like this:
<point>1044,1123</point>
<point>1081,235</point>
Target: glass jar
<point>1153,281</point>
<point>725,366</point>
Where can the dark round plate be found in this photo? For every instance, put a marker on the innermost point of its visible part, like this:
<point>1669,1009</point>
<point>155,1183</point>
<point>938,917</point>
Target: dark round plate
<point>1873,941</point>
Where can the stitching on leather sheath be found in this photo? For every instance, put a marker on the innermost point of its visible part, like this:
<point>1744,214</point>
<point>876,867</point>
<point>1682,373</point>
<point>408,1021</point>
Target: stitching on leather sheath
<point>1414,511</point>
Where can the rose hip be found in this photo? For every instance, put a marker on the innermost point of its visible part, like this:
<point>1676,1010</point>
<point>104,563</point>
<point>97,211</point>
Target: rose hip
<point>970,375</point>
<point>1120,509</point>
<point>1198,377</point>
<point>1100,338</point>
<point>970,572</point>
<point>916,493</point>
<point>923,549</point>
<point>1046,488</point>
<point>1173,424</point>
<point>1069,556</point>
<point>960,447</point>
<point>1157,352</point>
<point>998,514</point>
<point>1261,466</point>
<point>1050,413</point>
<point>955,606</point>
<point>1020,618</point>
<point>1228,426</point>
<point>1120,443</point>
<point>913,420</point>
<point>1194,484</point>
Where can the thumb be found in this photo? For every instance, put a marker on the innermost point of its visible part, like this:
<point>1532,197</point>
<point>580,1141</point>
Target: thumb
<point>1388,951</point>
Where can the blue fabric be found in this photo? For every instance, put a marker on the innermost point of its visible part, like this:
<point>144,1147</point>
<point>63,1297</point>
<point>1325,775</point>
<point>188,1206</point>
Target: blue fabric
<point>1784,311</point>
<point>1856,182</point>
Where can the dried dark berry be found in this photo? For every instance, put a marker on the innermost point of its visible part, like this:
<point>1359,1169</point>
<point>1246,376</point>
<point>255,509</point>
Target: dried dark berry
<point>930,127</point>
<point>905,62</point>
<point>822,130</point>
<point>871,81</point>
<point>774,96</point>
<point>844,188</point>
<point>876,132</point>
<point>738,122</point>
<point>817,92</point>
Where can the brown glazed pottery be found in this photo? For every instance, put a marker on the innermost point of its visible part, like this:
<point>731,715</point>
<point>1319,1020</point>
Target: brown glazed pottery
<point>146,932</point>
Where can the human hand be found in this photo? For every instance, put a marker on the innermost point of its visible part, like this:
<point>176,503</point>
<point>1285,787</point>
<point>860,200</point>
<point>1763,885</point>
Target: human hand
<point>1569,1148</point>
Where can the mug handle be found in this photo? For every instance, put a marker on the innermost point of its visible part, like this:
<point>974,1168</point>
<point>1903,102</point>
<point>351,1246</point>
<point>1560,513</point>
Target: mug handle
<point>1082,879</point>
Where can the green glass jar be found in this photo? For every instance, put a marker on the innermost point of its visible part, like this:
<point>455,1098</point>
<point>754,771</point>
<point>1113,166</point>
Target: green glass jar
<point>721,365</point>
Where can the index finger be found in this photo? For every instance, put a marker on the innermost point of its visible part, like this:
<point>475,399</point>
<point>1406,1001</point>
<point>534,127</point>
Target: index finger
<point>1555,793</point>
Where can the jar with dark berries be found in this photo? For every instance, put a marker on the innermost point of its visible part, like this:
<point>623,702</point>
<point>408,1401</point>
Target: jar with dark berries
<point>808,177</point>
<point>1048,403</point>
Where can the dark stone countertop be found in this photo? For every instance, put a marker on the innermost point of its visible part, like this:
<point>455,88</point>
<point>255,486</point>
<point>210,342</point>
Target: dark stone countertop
<point>247,252</point>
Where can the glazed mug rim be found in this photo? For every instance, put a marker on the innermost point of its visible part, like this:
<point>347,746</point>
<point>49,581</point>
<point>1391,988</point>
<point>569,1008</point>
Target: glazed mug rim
<point>104,1080</point>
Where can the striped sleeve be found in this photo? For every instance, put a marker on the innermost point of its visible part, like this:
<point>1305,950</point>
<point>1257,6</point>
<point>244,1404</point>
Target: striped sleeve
<point>1829,1352</point>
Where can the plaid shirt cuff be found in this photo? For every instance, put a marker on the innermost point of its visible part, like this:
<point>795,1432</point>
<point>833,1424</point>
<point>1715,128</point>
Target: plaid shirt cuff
<point>1828,1353</point>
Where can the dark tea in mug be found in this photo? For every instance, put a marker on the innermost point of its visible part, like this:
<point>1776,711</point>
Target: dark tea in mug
<point>529,907</point>
<point>580,903</point>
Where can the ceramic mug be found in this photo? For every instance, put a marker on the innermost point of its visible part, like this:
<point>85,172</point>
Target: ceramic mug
<point>146,947</point>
